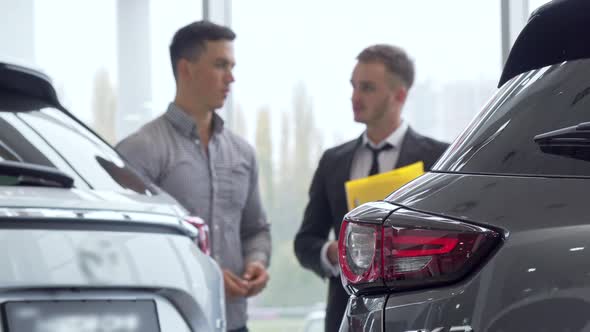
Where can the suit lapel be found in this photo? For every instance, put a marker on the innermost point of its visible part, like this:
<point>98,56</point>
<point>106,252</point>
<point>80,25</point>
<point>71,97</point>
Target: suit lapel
<point>340,174</point>
<point>410,151</point>
<point>344,160</point>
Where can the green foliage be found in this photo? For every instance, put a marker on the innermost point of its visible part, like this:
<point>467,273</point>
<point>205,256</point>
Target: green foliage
<point>264,153</point>
<point>284,193</point>
<point>104,106</point>
<point>277,325</point>
<point>290,284</point>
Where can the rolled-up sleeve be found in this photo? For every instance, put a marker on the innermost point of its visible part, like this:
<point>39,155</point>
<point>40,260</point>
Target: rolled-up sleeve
<point>255,230</point>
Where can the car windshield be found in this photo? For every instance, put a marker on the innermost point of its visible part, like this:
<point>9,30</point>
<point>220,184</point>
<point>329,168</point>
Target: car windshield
<point>501,138</point>
<point>49,137</point>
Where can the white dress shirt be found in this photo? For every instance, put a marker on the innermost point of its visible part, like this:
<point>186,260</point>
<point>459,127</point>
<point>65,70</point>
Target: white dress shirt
<point>361,165</point>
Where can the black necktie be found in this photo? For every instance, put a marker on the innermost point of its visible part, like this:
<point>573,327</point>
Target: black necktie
<point>375,165</point>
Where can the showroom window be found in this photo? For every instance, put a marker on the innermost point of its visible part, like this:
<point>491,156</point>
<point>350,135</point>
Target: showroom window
<point>292,99</point>
<point>109,59</point>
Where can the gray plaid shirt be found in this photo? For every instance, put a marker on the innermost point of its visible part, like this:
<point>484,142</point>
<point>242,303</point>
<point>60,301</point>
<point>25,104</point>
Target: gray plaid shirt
<point>221,188</point>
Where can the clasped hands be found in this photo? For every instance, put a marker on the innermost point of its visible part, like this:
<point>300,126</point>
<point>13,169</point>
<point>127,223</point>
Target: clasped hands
<point>252,281</point>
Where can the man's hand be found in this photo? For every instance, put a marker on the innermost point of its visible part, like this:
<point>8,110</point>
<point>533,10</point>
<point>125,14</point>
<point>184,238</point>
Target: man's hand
<point>234,285</point>
<point>257,277</point>
<point>333,252</point>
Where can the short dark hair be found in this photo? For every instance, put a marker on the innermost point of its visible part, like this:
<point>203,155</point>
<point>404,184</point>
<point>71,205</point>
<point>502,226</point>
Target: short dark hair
<point>394,58</point>
<point>190,41</point>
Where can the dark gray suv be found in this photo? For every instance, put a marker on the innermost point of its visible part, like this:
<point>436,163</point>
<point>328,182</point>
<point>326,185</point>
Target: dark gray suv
<point>497,237</point>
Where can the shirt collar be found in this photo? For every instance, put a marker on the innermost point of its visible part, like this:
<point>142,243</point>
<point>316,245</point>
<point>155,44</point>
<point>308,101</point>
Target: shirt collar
<point>395,138</point>
<point>186,125</point>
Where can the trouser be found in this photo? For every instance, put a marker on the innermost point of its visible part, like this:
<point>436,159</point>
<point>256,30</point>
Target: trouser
<point>336,306</point>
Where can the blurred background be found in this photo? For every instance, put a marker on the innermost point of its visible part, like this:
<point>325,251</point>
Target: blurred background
<point>109,61</point>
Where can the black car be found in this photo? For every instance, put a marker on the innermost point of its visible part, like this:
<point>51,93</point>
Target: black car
<point>497,237</point>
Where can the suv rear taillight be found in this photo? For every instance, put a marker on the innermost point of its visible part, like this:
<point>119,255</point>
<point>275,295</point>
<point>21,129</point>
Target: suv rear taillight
<point>410,250</point>
<point>202,238</point>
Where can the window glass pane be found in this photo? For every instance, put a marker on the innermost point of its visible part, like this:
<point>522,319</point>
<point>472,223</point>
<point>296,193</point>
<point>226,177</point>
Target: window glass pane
<point>18,142</point>
<point>457,57</point>
<point>292,98</point>
<point>502,142</point>
<point>171,16</point>
<point>113,75</point>
<point>95,161</point>
<point>75,43</point>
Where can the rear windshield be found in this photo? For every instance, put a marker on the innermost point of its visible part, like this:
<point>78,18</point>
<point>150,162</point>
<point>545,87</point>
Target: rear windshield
<point>500,138</point>
<point>51,138</point>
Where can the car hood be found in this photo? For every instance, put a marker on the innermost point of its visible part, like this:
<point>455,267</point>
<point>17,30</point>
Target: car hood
<point>20,198</point>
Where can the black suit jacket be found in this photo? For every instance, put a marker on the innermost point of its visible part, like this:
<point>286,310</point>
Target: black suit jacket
<point>327,207</point>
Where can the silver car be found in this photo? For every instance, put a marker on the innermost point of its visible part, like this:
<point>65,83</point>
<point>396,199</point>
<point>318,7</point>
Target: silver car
<point>85,243</point>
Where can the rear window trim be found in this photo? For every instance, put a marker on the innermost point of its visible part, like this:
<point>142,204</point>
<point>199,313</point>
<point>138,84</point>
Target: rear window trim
<point>513,175</point>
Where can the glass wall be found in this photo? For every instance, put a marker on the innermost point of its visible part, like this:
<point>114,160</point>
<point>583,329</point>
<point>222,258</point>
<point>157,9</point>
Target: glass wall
<point>75,43</point>
<point>292,99</point>
<point>108,59</point>
<point>167,17</point>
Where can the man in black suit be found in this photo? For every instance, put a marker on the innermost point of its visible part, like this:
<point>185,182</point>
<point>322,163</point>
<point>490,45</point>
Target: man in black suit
<point>380,81</point>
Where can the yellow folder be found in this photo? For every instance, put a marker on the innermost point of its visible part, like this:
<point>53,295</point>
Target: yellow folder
<point>377,187</point>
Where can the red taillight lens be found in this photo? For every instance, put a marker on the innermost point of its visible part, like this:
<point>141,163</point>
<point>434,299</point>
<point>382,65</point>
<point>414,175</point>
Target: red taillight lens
<point>417,254</point>
<point>202,239</point>
<point>410,250</point>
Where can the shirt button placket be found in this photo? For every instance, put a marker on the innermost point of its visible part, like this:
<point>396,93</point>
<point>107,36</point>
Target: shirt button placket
<point>214,222</point>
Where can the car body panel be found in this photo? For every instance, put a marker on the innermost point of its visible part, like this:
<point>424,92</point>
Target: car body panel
<point>364,313</point>
<point>115,262</point>
<point>84,199</point>
<point>540,268</point>
<point>58,239</point>
<point>505,202</point>
<point>520,289</point>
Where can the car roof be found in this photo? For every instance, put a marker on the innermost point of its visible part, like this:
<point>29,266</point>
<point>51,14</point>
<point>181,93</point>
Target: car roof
<point>553,34</point>
<point>24,88</point>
